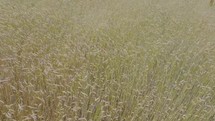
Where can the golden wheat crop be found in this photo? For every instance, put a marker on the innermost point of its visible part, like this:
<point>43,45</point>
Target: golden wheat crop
<point>112,60</point>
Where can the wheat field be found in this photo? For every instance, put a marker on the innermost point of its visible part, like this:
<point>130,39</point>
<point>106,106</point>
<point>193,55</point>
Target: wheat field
<point>107,60</point>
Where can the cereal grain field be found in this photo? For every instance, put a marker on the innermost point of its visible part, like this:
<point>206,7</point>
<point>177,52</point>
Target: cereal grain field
<point>107,60</point>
